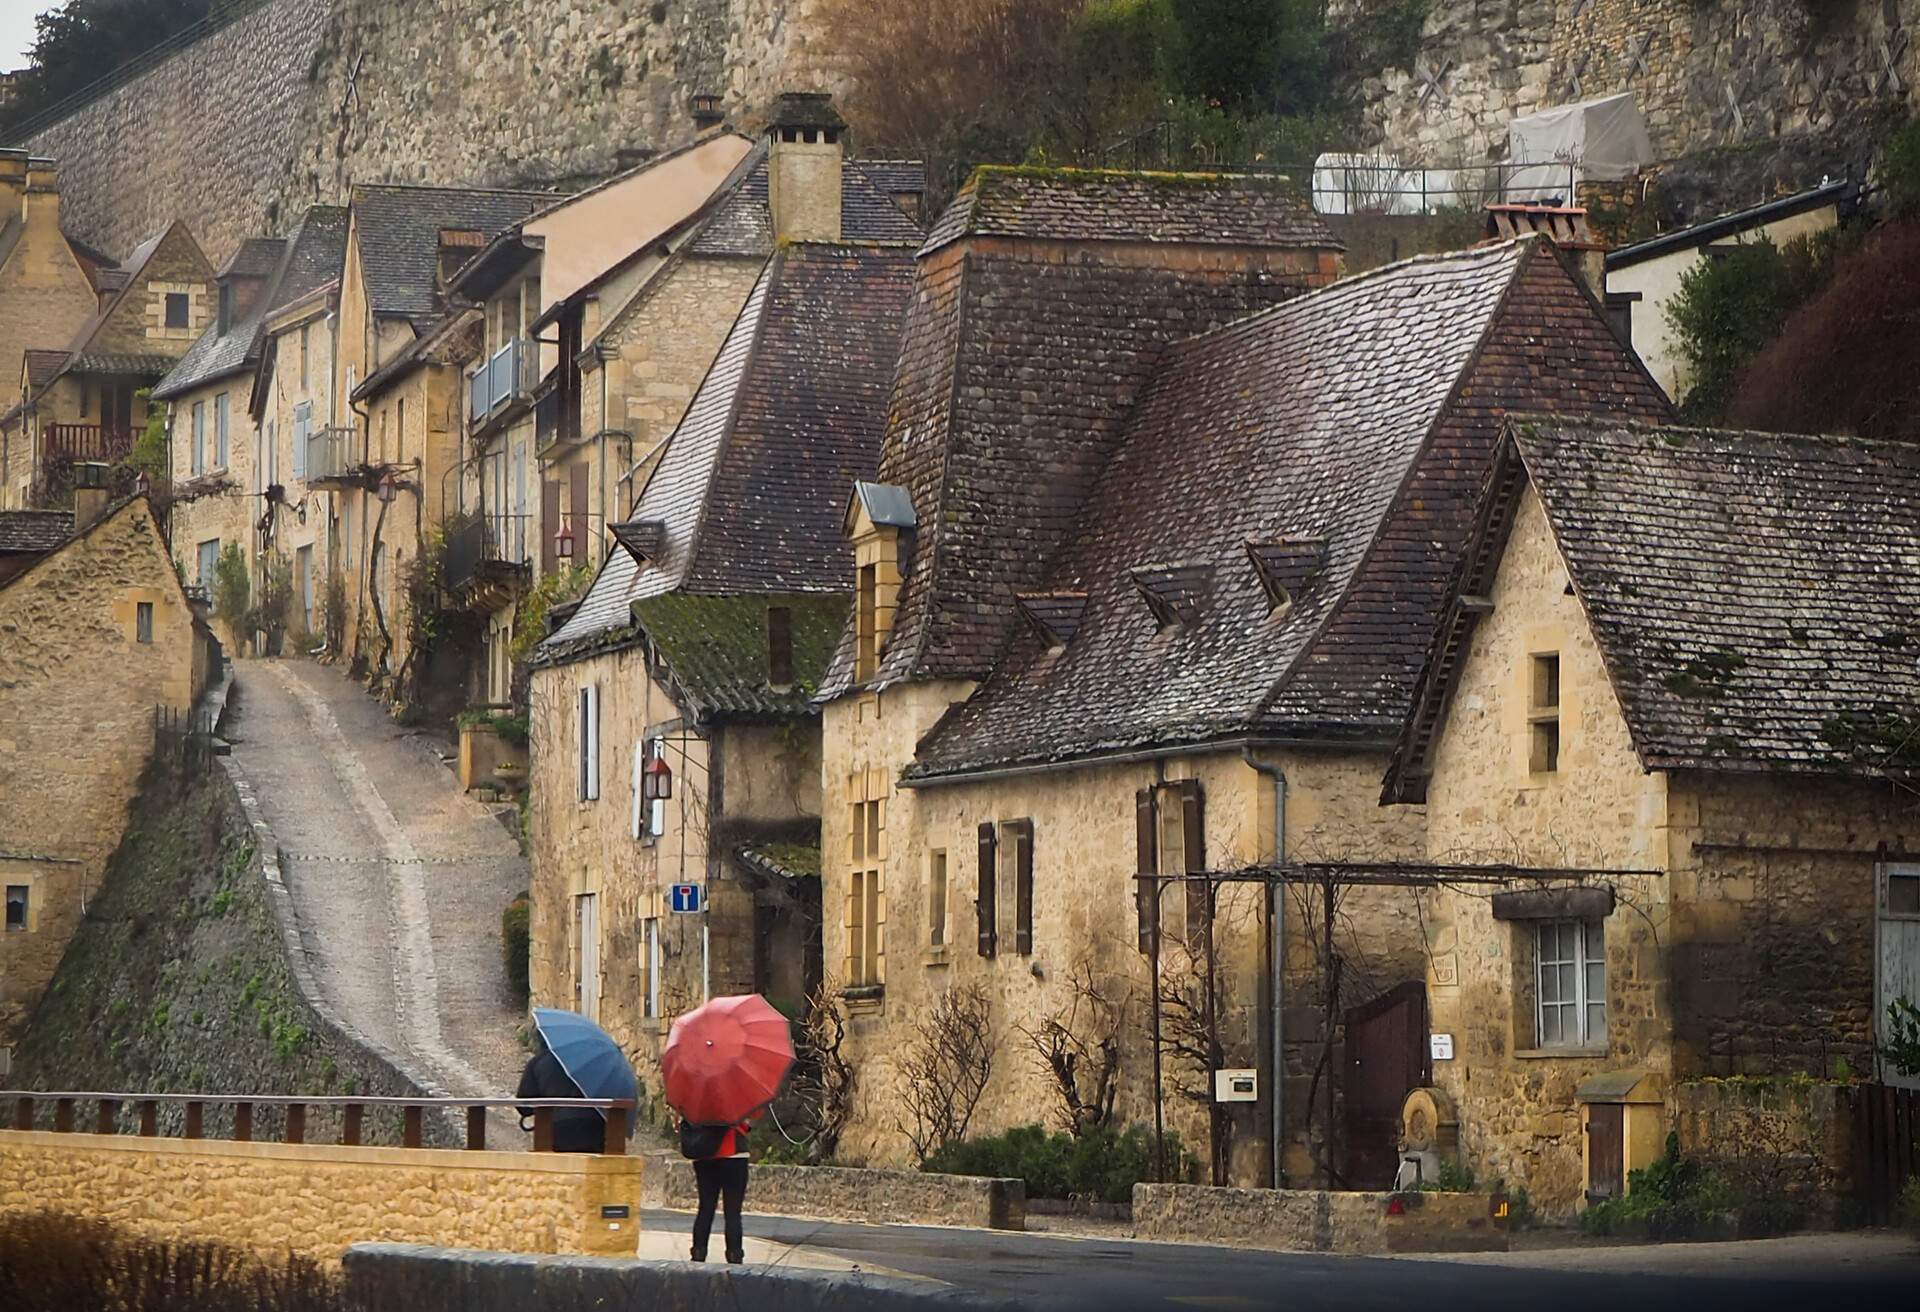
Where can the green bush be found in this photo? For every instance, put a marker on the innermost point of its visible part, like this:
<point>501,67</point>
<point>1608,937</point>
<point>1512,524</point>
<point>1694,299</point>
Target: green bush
<point>1899,170</point>
<point>1103,1164</point>
<point>511,728</point>
<point>1451,1178</point>
<point>232,585</point>
<point>1682,1198</point>
<point>516,944</point>
<point>1731,306</point>
<point>1902,1048</point>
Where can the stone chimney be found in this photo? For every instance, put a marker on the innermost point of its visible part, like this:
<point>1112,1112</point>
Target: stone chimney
<point>1565,226</point>
<point>43,193</point>
<point>804,160</point>
<point>13,183</point>
<point>89,493</point>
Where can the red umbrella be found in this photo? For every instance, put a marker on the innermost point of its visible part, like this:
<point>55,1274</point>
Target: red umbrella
<point>725,1060</point>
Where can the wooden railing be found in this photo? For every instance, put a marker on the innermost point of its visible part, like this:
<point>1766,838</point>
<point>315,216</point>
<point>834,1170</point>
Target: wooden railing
<point>88,442</point>
<point>146,1108</point>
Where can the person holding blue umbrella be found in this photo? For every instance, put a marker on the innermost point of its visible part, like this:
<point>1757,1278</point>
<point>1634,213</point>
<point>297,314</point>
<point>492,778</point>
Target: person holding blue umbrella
<point>575,1058</point>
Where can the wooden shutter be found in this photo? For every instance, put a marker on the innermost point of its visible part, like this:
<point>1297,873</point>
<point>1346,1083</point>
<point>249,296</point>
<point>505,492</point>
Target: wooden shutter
<point>579,519</point>
<point>583,744</point>
<point>1146,862</point>
<point>1193,844</point>
<point>1022,887</point>
<point>549,523</point>
<point>636,823</point>
<point>985,900</point>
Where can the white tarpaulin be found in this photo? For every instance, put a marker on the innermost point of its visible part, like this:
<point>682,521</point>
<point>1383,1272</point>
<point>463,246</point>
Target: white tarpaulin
<point>1604,139</point>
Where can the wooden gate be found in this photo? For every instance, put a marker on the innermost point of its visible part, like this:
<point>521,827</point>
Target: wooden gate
<point>1886,1145</point>
<point>1386,1060</point>
<point>1606,1150</point>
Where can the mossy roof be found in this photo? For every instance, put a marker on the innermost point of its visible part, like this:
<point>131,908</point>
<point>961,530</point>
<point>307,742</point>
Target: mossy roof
<point>713,650</point>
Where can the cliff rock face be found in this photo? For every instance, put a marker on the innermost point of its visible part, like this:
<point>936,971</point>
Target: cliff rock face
<point>1708,73</point>
<point>296,100</point>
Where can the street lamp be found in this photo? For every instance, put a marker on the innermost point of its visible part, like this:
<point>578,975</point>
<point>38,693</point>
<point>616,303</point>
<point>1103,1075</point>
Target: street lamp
<point>563,543</point>
<point>388,486</point>
<point>656,780</point>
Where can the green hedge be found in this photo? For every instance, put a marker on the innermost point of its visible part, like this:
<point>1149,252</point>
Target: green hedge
<point>516,944</point>
<point>1103,1164</point>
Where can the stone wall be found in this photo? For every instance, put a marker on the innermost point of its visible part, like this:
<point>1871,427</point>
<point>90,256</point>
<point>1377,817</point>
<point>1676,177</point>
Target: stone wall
<point>294,102</point>
<point>317,1199</point>
<point>875,1197</point>
<point>1314,1221</point>
<point>1718,73</point>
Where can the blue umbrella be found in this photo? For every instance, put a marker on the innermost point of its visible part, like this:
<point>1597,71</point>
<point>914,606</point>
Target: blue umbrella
<point>588,1054</point>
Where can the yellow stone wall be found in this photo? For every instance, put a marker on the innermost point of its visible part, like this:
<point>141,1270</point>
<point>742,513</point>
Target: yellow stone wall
<point>44,293</point>
<point>76,724</point>
<point>317,1200</point>
<point>286,390</point>
<point>228,515</point>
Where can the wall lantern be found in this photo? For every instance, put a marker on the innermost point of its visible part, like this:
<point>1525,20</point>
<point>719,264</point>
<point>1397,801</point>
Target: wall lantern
<point>388,486</point>
<point>563,543</point>
<point>656,781</point>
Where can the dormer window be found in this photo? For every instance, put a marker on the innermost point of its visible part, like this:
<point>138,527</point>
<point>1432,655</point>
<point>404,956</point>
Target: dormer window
<point>226,308</point>
<point>177,310</point>
<point>1053,616</point>
<point>879,521</point>
<point>643,539</point>
<point>1172,592</point>
<point>1286,567</point>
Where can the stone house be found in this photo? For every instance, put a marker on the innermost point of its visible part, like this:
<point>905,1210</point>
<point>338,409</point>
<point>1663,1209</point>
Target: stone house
<point>1643,278</point>
<point>46,292</point>
<point>403,245</point>
<point>98,633</point>
<point>1676,680</point>
<point>640,320</point>
<point>82,401</point>
<point>693,657</point>
<point>1146,588</point>
<point>225,464</point>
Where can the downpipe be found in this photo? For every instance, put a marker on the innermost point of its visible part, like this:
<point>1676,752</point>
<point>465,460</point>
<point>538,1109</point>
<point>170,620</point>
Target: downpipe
<point>1277,957</point>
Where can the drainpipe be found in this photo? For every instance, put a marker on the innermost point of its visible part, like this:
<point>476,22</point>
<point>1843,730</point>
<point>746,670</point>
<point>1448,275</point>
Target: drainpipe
<point>1277,954</point>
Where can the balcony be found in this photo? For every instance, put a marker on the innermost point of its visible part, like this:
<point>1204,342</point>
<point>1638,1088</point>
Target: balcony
<point>88,442</point>
<point>329,455</point>
<point>487,562</point>
<point>509,375</point>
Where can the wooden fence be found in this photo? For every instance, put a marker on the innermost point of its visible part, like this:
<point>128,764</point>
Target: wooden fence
<point>1886,1146</point>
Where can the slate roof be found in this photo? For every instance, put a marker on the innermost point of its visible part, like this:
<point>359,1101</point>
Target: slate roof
<point>743,223</point>
<point>750,489</point>
<point>43,367</point>
<point>399,232</point>
<point>1103,205</point>
<point>258,257</point>
<point>1756,596</point>
<point>139,366</point>
<point>33,531</point>
<point>1359,420</point>
<point>308,258</point>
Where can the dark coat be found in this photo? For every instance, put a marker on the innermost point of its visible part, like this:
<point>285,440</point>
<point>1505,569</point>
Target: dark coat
<point>575,1129</point>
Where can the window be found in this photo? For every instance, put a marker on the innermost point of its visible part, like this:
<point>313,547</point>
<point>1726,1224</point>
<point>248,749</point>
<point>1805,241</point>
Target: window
<point>650,967</point>
<point>220,431</point>
<point>589,739</point>
<point>302,429</point>
<point>199,437</point>
<point>1170,840</point>
<point>1571,971</point>
<point>176,309</point>
<point>1543,714</point>
<point>305,359</point>
<point>400,427</point>
<point>1016,884</point>
<point>1620,315</point>
<point>986,897</point>
<point>346,533</point>
<point>209,562</point>
<point>866,907</point>
<point>866,651</point>
<point>16,908</point>
<point>937,899</point>
<point>226,309</point>
<point>779,646</point>
<point>586,957</point>
<point>143,621</point>
<point>1903,895</point>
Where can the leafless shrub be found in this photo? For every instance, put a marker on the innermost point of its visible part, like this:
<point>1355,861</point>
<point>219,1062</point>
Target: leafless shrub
<point>823,1079</point>
<point>946,1068</point>
<point>1079,1048</point>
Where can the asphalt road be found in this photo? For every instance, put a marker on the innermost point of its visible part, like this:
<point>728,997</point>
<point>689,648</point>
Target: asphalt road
<point>1097,1275</point>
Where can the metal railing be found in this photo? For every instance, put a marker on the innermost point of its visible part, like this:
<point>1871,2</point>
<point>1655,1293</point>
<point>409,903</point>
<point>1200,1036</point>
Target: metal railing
<point>329,453</point>
<point>89,442</point>
<point>510,373</point>
<point>497,539</point>
<point>143,1115</point>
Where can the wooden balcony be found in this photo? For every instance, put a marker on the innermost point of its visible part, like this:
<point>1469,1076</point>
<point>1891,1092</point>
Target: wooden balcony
<point>88,442</point>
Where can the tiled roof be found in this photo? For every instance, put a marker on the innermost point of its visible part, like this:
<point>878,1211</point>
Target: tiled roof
<point>314,255</point>
<point>1335,420</point>
<point>713,650</point>
<point>142,366</point>
<point>1101,205</point>
<point>33,531</point>
<point>893,175</point>
<point>1016,375</point>
<point>43,367</point>
<point>399,234</point>
<point>1756,595</point>
<point>749,492</point>
<point>215,354</point>
<point>743,223</point>
<point>257,257</point>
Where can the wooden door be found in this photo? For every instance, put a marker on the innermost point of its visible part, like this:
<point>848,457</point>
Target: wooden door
<point>1386,1060</point>
<point>1606,1150</point>
<point>1896,953</point>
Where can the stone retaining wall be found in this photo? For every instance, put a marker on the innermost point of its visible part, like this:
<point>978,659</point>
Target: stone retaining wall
<point>845,1194</point>
<point>316,1199</point>
<point>1316,1221</point>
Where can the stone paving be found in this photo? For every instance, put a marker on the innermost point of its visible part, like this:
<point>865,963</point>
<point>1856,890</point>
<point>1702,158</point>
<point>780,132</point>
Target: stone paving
<point>397,878</point>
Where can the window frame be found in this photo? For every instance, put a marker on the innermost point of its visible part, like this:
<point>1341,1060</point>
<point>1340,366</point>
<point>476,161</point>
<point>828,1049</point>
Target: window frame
<point>865,918</point>
<point>588,734</point>
<point>650,968</point>
<point>26,908</point>
<point>1545,671</point>
<point>866,623</point>
<point>1584,960</point>
<point>938,883</point>
<point>221,410</point>
<point>199,429</point>
<point>168,301</point>
<point>143,622</point>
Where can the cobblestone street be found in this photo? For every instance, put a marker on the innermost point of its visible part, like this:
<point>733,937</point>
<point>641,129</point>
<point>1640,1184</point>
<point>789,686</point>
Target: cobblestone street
<point>397,878</point>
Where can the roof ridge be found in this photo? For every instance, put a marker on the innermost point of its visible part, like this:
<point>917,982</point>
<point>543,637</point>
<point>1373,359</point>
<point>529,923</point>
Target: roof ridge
<point>547,193</point>
<point>1589,421</point>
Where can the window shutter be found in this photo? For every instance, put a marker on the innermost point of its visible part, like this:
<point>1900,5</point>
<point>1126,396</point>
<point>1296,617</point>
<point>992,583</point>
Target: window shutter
<point>639,779</point>
<point>1146,862</point>
<point>593,742</point>
<point>1023,887</point>
<point>1193,843</point>
<point>985,900</point>
<point>584,693</point>
<point>549,523</point>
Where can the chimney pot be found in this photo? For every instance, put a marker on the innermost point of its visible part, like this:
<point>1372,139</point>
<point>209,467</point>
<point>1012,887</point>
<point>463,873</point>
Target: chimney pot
<point>89,492</point>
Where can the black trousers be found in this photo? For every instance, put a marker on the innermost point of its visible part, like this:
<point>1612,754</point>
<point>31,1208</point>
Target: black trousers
<point>717,1176</point>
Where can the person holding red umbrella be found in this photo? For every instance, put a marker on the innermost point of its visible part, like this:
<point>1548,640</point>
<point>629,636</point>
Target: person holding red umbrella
<point>723,1064</point>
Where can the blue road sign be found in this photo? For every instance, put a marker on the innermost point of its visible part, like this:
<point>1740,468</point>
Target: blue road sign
<point>686,898</point>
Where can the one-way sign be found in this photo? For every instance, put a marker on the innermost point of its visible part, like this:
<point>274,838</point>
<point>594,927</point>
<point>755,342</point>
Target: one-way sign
<point>686,898</point>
